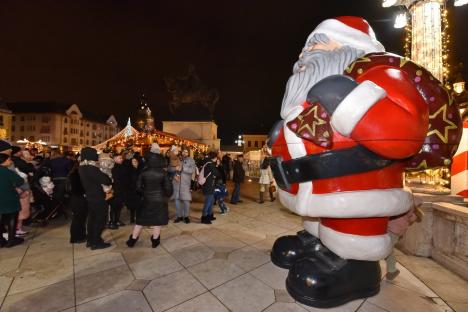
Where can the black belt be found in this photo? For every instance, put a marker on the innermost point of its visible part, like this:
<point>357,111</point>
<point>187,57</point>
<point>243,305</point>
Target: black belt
<point>325,165</point>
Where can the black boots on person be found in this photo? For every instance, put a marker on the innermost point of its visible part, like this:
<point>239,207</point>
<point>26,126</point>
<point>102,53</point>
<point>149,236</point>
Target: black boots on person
<point>131,241</point>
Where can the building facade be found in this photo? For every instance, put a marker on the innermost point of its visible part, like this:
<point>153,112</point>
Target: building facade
<point>5,122</point>
<point>254,142</point>
<point>60,125</point>
<point>205,132</point>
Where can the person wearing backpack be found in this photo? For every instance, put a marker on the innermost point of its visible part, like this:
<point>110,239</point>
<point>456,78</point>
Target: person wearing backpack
<point>207,179</point>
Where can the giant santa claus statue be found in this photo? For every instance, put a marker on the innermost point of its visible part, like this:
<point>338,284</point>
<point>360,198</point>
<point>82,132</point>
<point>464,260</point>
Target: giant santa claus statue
<point>353,118</point>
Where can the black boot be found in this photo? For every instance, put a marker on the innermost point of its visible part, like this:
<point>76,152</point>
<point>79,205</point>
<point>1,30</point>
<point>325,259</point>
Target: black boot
<point>288,249</point>
<point>205,220</point>
<point>155,241</point>
<point>327,280</point>
<point>187,220</point>
<point>11,226</point>
<point>261,198</point>
<point>131,241</point>
<point>178,219</point>
<point>211,217</point>
<point>100,245</point>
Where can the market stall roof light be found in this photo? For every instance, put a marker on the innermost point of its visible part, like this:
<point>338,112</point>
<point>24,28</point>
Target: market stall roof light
<point>460,2</point>
<point>388,3</point>
<point>400,20</point>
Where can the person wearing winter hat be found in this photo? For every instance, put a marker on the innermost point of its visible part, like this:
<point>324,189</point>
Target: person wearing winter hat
<point>5,147</point>
<point>93,180</point>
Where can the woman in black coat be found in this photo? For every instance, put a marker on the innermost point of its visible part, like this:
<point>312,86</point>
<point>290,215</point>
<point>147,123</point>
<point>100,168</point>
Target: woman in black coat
<point>156,188</point>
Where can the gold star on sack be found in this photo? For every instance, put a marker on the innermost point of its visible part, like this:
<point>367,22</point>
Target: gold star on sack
<point>438,124</point>
<point>313,124</point>
<point>359,60</point>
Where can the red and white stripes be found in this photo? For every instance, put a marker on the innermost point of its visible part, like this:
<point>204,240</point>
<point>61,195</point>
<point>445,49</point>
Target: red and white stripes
<point>459,178</point>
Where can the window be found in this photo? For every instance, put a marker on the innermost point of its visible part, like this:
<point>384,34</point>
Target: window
<point>65,120</point>
<point>1,120</point>
<point>45,129</point>
<point>22,128</point>
<point>256,143</point>
<point>64,140</point>
<point>65,130</point>
<point>94,142</point>
<point>87,133</point>
<point>45,118</point>
<point>249,143</point>
<point>81,141</point>
<point>73,141</point>
<point>263,143</point>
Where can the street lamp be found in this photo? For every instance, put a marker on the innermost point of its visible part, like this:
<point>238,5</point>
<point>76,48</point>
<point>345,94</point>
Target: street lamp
<point>400,21</point>
<point>239,141</point>
<point>460,2</point>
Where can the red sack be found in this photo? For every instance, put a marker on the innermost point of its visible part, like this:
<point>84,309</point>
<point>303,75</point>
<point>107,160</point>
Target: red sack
<point>445,126</point>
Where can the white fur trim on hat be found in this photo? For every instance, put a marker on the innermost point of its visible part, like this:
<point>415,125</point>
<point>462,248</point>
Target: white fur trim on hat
<point>352,204</point>
<point>355,105</point>
<point>349,36</point>
<point>357,247</point>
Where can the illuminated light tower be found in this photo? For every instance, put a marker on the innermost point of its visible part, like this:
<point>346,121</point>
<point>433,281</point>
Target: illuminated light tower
<point>145,120</point>
<point>427,39</point>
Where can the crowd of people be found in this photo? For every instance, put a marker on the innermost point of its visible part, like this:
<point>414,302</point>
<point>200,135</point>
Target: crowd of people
<point>38,186</point>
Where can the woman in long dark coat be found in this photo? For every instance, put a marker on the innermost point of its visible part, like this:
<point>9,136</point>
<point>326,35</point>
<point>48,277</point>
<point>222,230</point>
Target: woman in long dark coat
<point>156,188</point>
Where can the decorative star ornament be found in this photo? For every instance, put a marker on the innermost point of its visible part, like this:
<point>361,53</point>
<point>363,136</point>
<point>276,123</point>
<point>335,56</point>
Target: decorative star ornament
<point>313,124</point>
<point>435,122</point>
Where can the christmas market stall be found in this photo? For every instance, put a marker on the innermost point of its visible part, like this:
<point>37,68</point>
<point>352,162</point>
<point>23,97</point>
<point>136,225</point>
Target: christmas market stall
<point>131,139</point>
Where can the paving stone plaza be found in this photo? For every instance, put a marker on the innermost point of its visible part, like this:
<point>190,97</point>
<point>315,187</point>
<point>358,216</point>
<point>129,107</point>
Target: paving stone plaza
<point>220,267</point>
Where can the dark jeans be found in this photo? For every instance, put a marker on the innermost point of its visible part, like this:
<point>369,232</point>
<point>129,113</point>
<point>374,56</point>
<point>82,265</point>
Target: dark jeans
<point>132,201</point>
<point>236,193</point>
<point>116,205</point>
<point>80,213</point>
<point>96,220</point>
<point>208,205</point>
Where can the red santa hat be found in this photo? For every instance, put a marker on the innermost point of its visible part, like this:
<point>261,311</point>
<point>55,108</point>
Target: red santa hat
<point>350,30</point>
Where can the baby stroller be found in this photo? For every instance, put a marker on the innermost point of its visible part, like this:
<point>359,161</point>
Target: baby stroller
<point>45,206</point>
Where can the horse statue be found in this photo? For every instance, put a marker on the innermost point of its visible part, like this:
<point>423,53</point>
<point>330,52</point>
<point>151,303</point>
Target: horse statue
<point>190,90</point>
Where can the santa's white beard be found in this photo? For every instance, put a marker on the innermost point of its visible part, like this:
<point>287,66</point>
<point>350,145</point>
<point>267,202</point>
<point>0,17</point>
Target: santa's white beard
<point>316,65</point>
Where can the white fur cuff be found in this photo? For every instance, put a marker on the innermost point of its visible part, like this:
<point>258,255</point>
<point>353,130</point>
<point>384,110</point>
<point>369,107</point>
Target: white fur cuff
<point>355,105</point>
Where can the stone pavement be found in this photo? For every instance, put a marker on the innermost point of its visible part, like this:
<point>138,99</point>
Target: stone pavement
<point>219,267</point>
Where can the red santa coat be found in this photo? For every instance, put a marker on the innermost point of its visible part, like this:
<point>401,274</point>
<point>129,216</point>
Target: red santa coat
<point>387,115</point>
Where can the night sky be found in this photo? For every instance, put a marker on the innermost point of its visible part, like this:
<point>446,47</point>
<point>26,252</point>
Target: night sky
<point>103,54</point>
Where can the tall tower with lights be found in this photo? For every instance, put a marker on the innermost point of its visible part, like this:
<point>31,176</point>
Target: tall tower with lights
<point>145,120</point>
<point>427,40</point>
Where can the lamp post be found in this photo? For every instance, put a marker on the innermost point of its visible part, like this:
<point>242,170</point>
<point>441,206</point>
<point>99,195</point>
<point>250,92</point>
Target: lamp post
<point>239,141</point>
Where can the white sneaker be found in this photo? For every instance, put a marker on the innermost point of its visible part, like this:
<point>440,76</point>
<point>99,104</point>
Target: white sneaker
<point>21,233</point>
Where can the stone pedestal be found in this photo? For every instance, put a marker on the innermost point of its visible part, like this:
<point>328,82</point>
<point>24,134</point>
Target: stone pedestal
<point>443,233</point>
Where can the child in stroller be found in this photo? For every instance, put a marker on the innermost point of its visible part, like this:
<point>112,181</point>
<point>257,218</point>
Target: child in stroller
<point>46,207</point>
